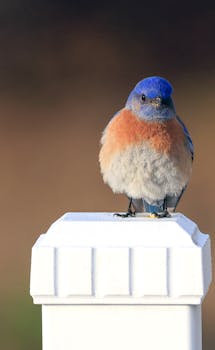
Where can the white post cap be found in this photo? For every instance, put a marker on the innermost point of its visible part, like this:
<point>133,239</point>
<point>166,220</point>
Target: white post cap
<point>98,258</point>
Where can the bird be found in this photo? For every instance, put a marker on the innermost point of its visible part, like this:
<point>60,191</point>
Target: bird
<point>146,150</point>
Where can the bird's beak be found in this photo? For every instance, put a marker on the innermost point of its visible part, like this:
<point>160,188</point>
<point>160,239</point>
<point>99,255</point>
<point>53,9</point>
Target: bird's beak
<point>157,101</point>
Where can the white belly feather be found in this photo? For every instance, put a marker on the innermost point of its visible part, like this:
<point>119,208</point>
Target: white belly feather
<point>141,172</point>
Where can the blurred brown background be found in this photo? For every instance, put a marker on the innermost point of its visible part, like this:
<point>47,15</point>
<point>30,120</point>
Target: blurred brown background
<point>65,69</point>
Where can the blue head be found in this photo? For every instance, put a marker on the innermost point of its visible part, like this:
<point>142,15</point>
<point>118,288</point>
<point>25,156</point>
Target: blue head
<point>151,99</point>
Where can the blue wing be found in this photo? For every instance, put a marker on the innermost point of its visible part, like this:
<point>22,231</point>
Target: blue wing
<point>186,133</point>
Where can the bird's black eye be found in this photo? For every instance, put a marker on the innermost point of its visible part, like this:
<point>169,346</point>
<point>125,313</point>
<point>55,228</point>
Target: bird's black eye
<point>143,98</point>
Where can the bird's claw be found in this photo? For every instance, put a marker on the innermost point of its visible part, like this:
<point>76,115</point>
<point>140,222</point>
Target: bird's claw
<point>129,213</point>
<point>155,215</point>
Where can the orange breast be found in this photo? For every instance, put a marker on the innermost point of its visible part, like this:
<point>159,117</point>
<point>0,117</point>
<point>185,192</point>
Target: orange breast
<point>126,129</point>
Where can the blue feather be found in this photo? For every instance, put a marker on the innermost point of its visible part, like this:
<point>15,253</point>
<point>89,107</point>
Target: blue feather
<point>186,132</point>
<point>153,87</point>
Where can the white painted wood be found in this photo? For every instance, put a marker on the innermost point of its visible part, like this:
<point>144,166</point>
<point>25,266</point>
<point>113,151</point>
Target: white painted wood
<point>95,255</point>
<point>106,282</point>
<point>126,327</point>
<point>112,272</point>
<point>42,271</point>
<point>150,263</point>
<point>73,271</point>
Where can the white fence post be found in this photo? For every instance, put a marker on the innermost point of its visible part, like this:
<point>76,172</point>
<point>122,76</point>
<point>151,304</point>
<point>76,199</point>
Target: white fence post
<point>111,283</point>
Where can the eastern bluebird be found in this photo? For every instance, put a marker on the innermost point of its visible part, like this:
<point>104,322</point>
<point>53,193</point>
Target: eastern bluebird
<point>147,151</point>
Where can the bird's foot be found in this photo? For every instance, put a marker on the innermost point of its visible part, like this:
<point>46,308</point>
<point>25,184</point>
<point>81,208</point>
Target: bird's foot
<point>129,213</point>
<point>164,214</point>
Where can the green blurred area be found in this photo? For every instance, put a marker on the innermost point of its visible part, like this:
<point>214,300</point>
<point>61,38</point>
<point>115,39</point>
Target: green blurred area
<point>20,323</point>
<point>66,68</point>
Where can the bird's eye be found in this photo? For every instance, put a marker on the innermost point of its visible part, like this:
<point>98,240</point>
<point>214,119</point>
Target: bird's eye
<point>143,98</point>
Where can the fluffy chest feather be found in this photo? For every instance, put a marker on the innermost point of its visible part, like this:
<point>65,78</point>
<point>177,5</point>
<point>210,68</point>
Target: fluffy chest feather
<point>141,172</point>
<point>125,130</point>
